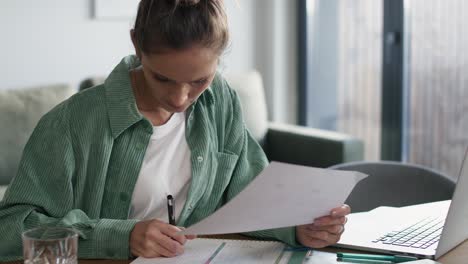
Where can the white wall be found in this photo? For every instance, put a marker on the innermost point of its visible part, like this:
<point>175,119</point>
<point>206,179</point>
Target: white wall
<point>53,41</point>
<point>56,41</point>
<point>239,56</point>
<point>276,56</point>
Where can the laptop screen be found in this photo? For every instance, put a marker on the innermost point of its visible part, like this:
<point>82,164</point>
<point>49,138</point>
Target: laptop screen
<point>455,229</point>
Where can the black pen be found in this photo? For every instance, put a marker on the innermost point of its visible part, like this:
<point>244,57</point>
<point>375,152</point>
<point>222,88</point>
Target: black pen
<point>170,210</point>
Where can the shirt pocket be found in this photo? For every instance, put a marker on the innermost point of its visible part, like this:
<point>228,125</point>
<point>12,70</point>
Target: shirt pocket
<point>222,168</point>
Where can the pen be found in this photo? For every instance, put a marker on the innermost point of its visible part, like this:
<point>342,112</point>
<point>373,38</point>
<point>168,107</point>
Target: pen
<point>363,261</point>
<point>392,259</point>
<point>308,255</point>
<point>170,209</point>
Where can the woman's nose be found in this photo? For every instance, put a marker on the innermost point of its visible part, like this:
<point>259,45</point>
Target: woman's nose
<point>181,96</point>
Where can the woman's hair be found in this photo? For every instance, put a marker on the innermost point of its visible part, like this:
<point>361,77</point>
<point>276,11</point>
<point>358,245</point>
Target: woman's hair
<point>179,24</point>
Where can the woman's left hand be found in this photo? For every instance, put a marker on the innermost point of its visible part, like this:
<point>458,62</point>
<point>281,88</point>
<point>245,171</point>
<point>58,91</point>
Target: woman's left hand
<point>325,230</point>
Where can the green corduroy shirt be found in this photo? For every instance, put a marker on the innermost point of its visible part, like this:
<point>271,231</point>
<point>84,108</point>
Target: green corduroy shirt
<point>81,163</point>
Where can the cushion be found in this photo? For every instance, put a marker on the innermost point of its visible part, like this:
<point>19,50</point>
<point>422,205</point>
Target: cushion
<point>249,87</point>
<point>20,110</point>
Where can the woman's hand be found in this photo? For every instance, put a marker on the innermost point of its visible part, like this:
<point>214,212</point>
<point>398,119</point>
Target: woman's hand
<point>325,230</point>
<point>155,238</point>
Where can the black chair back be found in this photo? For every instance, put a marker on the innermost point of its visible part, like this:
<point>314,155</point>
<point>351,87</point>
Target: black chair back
<point>396,184</point>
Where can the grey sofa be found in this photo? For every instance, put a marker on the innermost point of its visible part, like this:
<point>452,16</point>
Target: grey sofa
<point>20,110</point>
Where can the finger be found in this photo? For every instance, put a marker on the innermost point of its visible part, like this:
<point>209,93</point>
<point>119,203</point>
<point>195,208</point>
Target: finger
<point>329,238</point>
<point>333,229</point>
<point>160,240</point>
<point>187,236</point>
<point>341,211</point>
<point>151,249</point>
<point>172,245</point>
<point>190,237</point>
<point>328,220</point>
<point>321,235</point>
<point>338,230</point>
<point>163,251</point>
<point>334,238</point>
<point>315,243</point>
<point>147,253</point>
<point>173,232</point>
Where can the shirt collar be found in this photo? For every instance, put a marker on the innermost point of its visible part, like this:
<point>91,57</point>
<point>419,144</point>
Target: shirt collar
<point>121,104</point>
<point>209,95</point>
<point>120,100</point>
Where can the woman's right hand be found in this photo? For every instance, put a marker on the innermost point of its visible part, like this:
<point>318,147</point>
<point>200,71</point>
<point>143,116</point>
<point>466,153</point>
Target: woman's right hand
<point>155,238</point>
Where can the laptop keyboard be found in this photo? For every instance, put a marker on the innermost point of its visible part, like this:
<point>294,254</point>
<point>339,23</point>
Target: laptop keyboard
<point>423,234</point>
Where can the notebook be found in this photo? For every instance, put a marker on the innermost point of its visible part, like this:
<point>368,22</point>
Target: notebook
<point>208,251</point>
<point>424,231</point>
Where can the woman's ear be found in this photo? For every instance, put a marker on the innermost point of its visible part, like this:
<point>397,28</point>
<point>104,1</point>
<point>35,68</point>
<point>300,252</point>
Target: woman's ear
<point>135,46</point>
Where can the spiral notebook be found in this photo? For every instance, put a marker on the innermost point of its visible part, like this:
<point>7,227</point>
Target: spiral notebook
<point>212,251</point>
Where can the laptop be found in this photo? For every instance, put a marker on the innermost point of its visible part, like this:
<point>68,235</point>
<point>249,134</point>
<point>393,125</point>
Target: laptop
<point>424,231</point>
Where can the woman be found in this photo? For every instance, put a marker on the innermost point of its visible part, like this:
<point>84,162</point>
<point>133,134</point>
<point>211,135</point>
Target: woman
<point>164,122</point>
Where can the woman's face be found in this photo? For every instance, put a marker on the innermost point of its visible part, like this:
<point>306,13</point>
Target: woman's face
<point>176,78</point>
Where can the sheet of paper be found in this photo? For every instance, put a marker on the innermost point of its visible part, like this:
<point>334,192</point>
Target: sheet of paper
<point>282,195</point>
<point>423,261</point>
<point>225,251</point>
<point>321,257</point>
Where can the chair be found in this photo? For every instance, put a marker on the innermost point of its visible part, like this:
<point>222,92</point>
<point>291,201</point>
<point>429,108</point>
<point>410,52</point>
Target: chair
<point>282,142</point>
<point>396,184</point>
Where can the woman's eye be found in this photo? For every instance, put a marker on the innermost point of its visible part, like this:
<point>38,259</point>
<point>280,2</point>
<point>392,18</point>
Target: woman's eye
<point>200,82</point>
<point>161,79</point>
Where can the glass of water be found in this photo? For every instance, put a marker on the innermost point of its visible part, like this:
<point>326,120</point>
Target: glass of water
<point>50,245</point>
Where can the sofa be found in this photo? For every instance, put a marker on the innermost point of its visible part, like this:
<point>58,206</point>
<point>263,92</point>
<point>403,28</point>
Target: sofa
<point>20,110</point>
<point>291,143</point>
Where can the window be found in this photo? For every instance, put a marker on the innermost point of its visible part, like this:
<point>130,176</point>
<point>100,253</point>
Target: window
<point>414,101</point>
<point>344,68</point>
<point>436,130</point>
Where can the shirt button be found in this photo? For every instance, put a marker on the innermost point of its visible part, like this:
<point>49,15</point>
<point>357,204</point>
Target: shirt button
<point>190,208</point>
<point>191,117</point>
<point>123,196</point>
<point>200,159</point>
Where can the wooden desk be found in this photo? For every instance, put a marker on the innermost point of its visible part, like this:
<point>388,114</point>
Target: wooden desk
<point>456,256</point>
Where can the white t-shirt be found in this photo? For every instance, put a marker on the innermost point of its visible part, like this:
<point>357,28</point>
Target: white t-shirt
<point>166,169</point>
